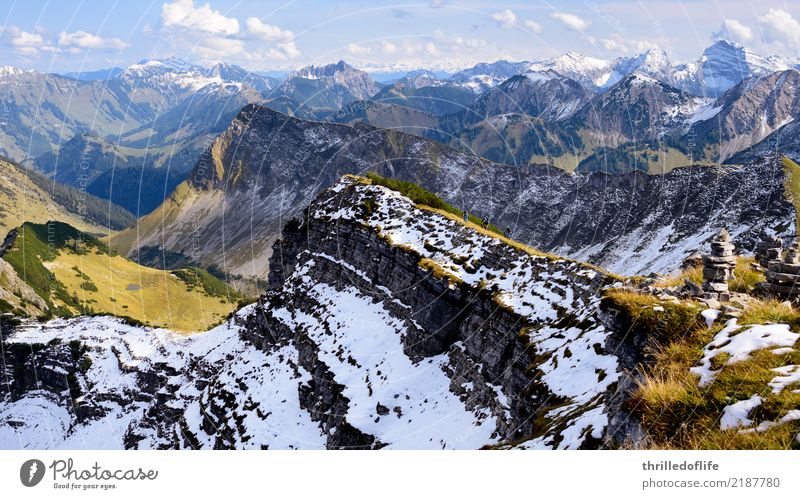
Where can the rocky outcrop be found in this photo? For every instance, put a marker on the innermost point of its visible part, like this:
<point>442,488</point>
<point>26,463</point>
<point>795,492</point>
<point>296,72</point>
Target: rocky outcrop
<point>783,274</point>
<point>16,295</point>
<point>507,327</point>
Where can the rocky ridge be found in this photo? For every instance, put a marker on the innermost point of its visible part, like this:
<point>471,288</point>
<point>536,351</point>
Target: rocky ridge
<point>386,325</point>
<point>266,167</point>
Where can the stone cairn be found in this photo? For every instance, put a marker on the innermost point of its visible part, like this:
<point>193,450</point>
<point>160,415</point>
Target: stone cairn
<point>718,267</point>
<point>783,275</point>
<point>768,249</point>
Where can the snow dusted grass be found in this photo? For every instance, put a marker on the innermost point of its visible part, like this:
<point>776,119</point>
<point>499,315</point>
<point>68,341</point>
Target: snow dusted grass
<point>733,386</point>
<point>427,201</point>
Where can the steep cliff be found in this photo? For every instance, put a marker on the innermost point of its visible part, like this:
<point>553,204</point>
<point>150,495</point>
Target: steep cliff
<point>387,324</point>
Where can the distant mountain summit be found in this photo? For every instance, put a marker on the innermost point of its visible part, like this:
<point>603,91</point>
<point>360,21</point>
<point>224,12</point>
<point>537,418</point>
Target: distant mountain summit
<point>589,71</point>
<point>723,65</point>
<point>177,75</point>
<point>358,83</point>
<point>653,62</point>
<point>484,76</point>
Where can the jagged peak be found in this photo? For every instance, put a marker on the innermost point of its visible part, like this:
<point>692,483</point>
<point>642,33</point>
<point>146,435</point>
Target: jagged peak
<point>326,71</point>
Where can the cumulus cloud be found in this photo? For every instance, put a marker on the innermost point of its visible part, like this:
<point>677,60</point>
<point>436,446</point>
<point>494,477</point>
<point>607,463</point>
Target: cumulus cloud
<point>217,47</point>
<point>26,43</point>
<point>617,43</point>
<point>267,32</point>
<point>732,29</point>
<point>21,38</point>
<point>84,40</point>
<point>289,49</point>
<point>571,21</point>
<point>388,47</point>
<point>778,26</point>
<point>430,48</point>
<point>213,35</point>
<point>613,44</point>
<point>505,18</point>
<point>533,26</point>
<point>184,14</point>
<point>357,49</point>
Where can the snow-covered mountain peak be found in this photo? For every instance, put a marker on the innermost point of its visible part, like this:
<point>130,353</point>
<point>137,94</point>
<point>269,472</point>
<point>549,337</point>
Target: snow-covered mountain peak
<point>313,72</point>
<point>723,65</point>
<point>589,71</point>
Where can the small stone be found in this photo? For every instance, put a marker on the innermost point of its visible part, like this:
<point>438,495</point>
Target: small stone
<point>691,288</point>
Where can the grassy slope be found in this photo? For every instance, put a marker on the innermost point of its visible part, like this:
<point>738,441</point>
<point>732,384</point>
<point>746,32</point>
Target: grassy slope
<point>675,411</point>
<point>152,223</point>
<point>21,200</point>
<point>792,185</point>
<point>82,277</point>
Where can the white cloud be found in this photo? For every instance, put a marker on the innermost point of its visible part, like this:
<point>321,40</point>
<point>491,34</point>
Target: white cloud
<point>357,49</point>
<point>778,26</point>
<point>644,45</point>
<point>289,49</point>
<point>388,47</point>
<point>84,40</point>
<point>21,38</point>
<point>183,14</point>
<point>533,26</point>
<point>614,44</point>
<point>223,38</point>
<point>430,48</point>
<point>267,32</point>
<point>218,47</point>
<point>505,18</point>
<point>571,21</point>
<point>26,43</point>
<point>732,29</point>
<point>283,52</point>
<point>410,47</point>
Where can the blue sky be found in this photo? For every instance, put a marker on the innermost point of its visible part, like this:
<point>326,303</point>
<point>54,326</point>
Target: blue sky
<point>59,35</point>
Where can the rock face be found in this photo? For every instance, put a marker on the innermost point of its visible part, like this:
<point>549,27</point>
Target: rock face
<point>748,114</point>
<point>636,109</point>
<point>386,325</point>
<point>266,167</point>
<point>545,95</point>
<point>15,294</point>
<point>328,87</point>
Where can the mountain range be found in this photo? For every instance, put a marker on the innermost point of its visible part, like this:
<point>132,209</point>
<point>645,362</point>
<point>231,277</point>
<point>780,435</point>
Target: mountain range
<point>267,167</point>
<point>199,256</point>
